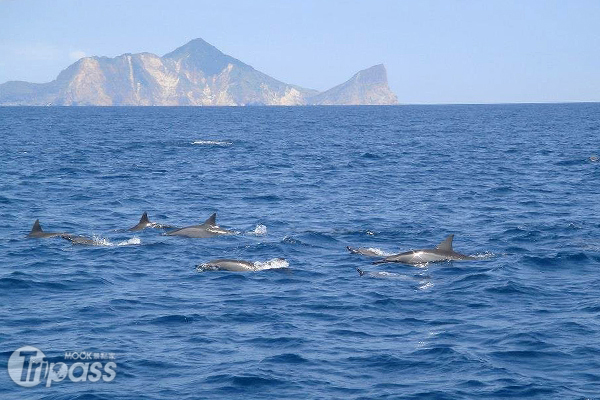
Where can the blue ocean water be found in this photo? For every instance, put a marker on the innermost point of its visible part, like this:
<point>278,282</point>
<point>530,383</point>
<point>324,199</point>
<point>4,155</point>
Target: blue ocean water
<point>514,183</point>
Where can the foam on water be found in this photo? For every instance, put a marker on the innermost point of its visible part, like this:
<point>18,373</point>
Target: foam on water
<point>102,241</point>
<point>275,263</point>
<point>426,285</point>
<point>212,143</point>
<point>130,242</point>
<point>379,252</point>
<point>259,230</point>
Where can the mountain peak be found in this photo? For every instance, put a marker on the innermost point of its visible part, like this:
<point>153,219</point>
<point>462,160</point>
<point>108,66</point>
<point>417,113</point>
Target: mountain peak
<point>373,75</point>
<point>198,54</point>
<point>197,45</point>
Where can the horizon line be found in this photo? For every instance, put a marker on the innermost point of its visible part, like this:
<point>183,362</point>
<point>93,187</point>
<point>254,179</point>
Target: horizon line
<point>312,105</point>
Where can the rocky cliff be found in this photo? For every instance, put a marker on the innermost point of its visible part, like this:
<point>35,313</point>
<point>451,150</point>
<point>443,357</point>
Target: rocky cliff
<point>368,86</point>
<point>196,74</point>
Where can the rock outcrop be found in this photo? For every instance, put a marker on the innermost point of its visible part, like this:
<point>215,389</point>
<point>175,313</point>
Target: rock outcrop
<point>369,86</point>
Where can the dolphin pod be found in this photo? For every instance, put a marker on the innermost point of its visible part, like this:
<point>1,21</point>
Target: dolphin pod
<point>205,230</point>
<point>209,228</point>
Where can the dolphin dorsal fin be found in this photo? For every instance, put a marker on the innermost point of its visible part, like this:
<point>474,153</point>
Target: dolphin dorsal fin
<point>144,217</point>
<point>446,244</point>
<point>212,220</point>
<point>36,226</point>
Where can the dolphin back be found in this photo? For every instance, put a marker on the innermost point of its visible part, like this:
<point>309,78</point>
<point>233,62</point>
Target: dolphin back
<point>37,232</point>
<point>211,221</point>
<point>144,219</point>
<point>36,229</point>
<point>226,264</point>
<point>446,245</point>
<point>144,222</point>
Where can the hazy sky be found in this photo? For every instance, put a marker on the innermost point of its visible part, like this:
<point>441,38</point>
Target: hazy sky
<point>454,51</point>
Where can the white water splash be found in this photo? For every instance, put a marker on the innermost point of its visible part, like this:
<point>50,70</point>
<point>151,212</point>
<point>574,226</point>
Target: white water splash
<point>212,143</point>
<point>260,230</point>
<point>484,255</point>
<point>379,252</point>
<point>129,242</point>
<point>275,263</point>
<point>100,241</point>
<point>426,286</point>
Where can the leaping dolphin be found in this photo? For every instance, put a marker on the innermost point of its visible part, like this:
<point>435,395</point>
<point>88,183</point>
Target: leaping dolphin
<point>443,252</point>
<point>37,232</point>
<point>205,230</point>
<point>145,223</point>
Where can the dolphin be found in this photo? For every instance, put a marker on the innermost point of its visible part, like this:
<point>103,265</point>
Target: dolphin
<point>227,264</point>
<point>363,251</point>
<point>37,232</point>
<point>205,230</point>
<point>145,223</point>
<point>443,252</point>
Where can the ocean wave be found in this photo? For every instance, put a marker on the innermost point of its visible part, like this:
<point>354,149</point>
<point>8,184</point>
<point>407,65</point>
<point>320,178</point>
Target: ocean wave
<point>287,358</point>
<point>171,319</point>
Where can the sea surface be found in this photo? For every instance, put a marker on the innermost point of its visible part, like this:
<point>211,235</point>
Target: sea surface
<point>516,184</point>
